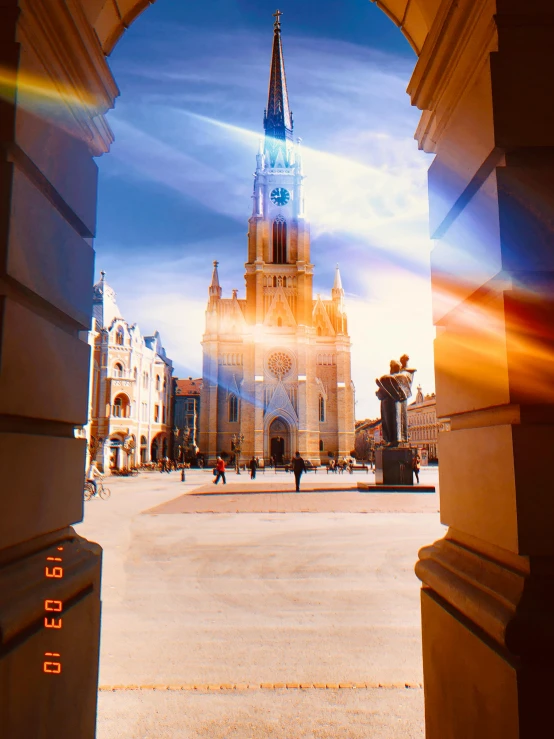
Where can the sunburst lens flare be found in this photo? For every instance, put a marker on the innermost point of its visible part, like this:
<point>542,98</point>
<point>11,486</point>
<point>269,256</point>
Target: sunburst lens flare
<point>366,199</point>
<point>36,92</point>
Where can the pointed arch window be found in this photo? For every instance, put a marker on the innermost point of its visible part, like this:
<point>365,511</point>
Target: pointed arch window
<point>279,240</point>
<point>120,336</point>
<point>321,409</point>
<point>233,409</point>
<point>118,370</point>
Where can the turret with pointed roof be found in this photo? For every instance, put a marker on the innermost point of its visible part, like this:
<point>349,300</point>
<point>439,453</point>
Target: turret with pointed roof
<point>215,289</point>
<point>104,307</point>
<point>337,291</point>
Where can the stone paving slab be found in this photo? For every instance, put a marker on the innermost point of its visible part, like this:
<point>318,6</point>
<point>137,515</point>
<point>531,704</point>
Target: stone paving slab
<point>250,487</point>
<point>303,502</point>
<point>289,685</point>
<point>259,714</point>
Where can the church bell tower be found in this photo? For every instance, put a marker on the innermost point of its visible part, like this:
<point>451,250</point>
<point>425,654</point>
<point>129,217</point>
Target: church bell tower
<point>277,363</point>
<point>278,236</point>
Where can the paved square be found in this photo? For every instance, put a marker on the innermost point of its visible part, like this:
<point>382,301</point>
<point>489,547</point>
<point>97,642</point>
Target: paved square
<point>260,599</point>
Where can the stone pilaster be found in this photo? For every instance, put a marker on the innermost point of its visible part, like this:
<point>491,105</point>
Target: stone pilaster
<point>47,221</point>
<point>484,79</point>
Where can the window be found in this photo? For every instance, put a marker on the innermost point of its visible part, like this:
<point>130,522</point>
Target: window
<point>135,373</point>
<point>156,414</point>
<point>233,409</point>
<point>279,241</point>
<point>120,336</point>
<point>321,445</point>
<point>121,407</point>
<point>118,370</point>
<point>163,413</point>
<point>157,382</point>
<point>145,380</point>
<point>144,413</point>
<point>321,409</point>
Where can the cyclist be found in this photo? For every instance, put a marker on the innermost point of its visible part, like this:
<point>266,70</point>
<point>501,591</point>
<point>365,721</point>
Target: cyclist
<point>92,473</point>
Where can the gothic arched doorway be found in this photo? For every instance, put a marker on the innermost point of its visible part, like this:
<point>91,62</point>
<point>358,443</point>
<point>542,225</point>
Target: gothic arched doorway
<point>279,441</point>
<point>277,449</point>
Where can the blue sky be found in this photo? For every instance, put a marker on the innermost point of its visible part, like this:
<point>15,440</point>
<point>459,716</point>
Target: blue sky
<point>175,191</point>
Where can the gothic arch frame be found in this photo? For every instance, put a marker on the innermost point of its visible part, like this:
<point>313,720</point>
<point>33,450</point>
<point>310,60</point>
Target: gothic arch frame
<point>291,443</point>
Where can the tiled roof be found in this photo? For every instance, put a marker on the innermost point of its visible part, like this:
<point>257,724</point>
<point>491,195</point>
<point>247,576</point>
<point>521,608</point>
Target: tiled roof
<point>190,386</point>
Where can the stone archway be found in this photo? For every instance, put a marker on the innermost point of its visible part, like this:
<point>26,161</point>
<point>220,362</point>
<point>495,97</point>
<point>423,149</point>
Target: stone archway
<point>483,81</point>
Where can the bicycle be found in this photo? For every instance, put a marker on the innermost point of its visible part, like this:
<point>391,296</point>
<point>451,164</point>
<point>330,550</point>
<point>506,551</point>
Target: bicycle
<point>101,491</point>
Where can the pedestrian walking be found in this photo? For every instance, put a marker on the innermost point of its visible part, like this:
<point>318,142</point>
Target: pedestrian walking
<point>220,471</point>
<point>253,467</point>
<point>416,464</point>
<point>298,467</point>
<point>167,465</point>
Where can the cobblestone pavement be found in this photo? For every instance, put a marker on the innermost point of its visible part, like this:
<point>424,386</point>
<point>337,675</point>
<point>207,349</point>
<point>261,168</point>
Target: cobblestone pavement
<point>266,599</point>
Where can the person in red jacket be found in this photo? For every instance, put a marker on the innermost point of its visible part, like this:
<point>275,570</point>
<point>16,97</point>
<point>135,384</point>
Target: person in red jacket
<point>220,471</point>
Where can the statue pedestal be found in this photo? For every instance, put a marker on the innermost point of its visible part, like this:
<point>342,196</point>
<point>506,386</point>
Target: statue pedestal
<point>393,466</point>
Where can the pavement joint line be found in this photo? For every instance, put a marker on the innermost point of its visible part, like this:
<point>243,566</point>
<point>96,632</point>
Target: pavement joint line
<point>211,687</point>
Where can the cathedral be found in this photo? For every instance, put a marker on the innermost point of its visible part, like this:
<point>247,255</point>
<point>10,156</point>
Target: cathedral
<point>276,364</point>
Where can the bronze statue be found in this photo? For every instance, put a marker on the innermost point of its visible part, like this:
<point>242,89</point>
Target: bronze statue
<point>394,391</point>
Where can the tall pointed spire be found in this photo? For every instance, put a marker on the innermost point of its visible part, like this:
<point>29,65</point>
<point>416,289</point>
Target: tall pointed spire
<point>278,117</point>
<point>215,290</point>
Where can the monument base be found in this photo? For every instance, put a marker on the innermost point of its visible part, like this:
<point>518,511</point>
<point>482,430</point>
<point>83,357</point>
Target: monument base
<point>393,466</point>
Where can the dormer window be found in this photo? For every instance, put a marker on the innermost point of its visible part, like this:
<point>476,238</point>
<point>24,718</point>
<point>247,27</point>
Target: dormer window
<point>120,336</point>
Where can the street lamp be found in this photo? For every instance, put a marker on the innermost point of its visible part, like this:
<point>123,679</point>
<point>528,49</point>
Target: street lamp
<point>238,441</point>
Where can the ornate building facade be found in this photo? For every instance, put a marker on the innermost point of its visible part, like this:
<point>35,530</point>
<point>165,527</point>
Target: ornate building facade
<point>276,366</point>
<point>186,406</point>
<point>422,423</point>
<point>130,394</point>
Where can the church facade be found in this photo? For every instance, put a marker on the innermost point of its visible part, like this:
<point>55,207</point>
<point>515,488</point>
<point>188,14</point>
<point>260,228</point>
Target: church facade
<point>276,364</point>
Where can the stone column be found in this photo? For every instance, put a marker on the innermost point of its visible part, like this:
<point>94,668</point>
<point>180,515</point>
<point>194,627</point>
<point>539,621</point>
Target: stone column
<point>51,125</point>
<point>485,81</point>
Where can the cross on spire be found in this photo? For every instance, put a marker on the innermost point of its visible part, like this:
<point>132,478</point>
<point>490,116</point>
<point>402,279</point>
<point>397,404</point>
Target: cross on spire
<point>277,15</point>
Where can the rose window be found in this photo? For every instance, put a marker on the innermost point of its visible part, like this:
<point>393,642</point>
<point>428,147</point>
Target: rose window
<point>280,364</point>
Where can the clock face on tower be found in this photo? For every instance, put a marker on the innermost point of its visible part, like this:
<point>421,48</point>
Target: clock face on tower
<point>280,196</point>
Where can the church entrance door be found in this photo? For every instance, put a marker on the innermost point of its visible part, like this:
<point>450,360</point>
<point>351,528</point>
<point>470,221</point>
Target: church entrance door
<point>278,449</point>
